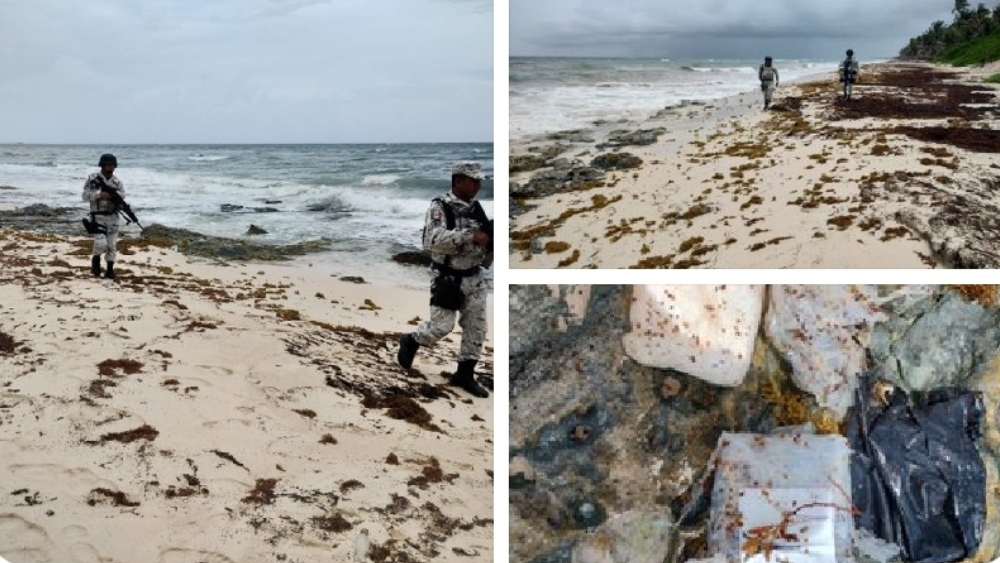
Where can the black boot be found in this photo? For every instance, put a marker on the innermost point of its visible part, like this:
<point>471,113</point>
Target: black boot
<point>95,265</point>
<point>110,274</point>
<point>466,379</point>
<point>408,346</point>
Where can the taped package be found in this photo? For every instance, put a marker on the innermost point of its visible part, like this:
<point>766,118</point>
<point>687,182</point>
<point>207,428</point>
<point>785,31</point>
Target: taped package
<point>782,499</point>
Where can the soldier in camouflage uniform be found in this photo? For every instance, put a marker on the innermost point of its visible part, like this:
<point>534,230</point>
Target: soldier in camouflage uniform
<point>460,252</point>
<point>104,214</point>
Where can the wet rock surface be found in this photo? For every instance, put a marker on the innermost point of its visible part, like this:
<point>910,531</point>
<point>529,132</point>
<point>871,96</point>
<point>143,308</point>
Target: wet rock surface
<point>596,435</point>
<point>412,258</point>
<point>66,221</point>
<point>639,137</point>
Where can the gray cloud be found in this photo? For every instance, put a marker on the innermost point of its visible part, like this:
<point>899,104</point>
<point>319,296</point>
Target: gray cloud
<point>718,28</point>
<point>246,71</point>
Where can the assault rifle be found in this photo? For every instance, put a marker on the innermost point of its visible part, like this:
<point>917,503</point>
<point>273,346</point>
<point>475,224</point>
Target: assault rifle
<point>120,206</point>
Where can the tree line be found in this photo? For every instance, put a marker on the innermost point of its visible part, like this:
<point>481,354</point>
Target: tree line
<point>968,25</point>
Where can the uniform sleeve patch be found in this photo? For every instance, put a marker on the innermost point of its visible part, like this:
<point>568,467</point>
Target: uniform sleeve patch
<point>437,215</point>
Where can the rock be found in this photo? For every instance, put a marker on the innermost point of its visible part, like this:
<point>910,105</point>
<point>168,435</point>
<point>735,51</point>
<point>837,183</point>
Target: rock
<point>197,244</point>
<point>635,536</point>
<point>529,162</point>
<point>616,161</point>
<point>353,279</point>
<point>521,472</point>
<point>42,210</point>
<point>255,230</point>
<point>870,549</point>
<point>231,208</point>
<point>702,330</point>
<point>573,136</point>
<point>412,258</point>
<point>526,163</point>
<point>965,337</point>
<point>565,178</point>
<point>622,138</point>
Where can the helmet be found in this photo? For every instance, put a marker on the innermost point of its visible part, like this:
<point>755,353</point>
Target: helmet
<point>107,158</point>
<point>850,52</point>
<point>767,59</point>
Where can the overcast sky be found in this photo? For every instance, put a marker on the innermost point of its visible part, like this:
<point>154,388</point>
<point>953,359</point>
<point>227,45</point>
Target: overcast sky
<point>721,28</point>
<point>246,71</point>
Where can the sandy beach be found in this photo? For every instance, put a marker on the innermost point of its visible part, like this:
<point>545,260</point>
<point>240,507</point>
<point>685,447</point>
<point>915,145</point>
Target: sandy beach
<point>901,176</point>
<point>201,411</point>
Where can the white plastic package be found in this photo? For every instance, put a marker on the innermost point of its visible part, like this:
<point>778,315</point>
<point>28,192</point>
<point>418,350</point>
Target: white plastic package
<point>707,331</point>
<point>782,499</point>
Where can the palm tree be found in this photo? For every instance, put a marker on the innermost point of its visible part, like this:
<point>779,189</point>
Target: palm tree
<point>961,8</point>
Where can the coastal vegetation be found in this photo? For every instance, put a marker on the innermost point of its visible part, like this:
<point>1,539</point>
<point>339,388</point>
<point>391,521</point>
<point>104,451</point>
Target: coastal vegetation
<point>973,37</point>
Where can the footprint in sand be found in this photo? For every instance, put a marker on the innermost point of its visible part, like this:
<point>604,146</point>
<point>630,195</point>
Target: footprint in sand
<point>188,555</point>
<point>217,370</point>
<point>85,553</point>
<point>23,541</point>
<point>77,479</point>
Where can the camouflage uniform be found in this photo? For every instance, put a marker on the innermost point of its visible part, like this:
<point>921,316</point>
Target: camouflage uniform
<point>458,260</point>
<point>103,212</point>
<point>849,74</point>
<point>767,85</point>
<point>457,249</point>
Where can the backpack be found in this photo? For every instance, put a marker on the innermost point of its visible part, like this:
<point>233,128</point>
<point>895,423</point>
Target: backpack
<point>850,68</point>
<point>766,73</point>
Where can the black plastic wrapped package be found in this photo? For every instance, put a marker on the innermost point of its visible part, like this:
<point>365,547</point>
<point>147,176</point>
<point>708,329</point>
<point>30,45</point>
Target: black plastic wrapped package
<point>917,478</point>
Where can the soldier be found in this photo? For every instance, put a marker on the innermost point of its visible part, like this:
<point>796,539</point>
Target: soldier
<point>457,234</point>
<point>849,73</point>
<point>103,214</point>
<point>768,76</point>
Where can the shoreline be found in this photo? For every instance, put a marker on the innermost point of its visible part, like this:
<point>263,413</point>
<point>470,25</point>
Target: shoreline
<point>729,185</point>
<point>404,268</point>
<point>217,411</point>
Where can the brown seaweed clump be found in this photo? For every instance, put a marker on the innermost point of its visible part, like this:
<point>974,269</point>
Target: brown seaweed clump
<point>985,295</point>
<point>403,408</point>
<point>262,493</point>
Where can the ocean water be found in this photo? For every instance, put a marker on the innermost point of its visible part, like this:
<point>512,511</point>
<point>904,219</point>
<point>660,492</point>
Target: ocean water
<point>557,94</point>
<point>368,200</point>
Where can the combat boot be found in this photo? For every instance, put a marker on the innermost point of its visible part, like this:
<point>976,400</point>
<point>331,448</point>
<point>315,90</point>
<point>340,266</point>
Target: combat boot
<point>110,274</point>
<point>408,347</point>
<point>95,265</point>
<point>466,379</point>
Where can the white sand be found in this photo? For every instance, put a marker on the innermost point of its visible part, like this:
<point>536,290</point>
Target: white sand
<point>221,378</point>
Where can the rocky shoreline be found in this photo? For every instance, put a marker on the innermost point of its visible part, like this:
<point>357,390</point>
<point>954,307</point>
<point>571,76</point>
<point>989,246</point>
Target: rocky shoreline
<point>65,221</point>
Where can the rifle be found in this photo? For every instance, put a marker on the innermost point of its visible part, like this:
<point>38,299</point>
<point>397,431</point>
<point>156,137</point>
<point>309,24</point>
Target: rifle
<point>120,206</point>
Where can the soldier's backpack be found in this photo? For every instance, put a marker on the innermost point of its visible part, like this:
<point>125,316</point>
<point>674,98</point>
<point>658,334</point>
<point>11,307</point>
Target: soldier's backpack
<point>767,73</point>
<point>850,70</point>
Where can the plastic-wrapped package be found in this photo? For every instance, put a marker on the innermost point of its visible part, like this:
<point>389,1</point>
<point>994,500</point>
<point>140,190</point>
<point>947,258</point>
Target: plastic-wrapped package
<point>822,331</point>
<point>782,498</point>
<point>707,331</point>
<point>918,477</point>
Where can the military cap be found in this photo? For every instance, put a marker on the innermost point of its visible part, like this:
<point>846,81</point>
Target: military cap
<point>469,169</point>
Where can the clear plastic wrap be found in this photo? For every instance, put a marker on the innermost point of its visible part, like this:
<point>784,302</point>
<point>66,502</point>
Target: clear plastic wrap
<point>782,498</point>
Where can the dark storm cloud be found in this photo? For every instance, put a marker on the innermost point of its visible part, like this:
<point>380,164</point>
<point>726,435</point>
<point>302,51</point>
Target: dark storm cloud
<point>718,28</point>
